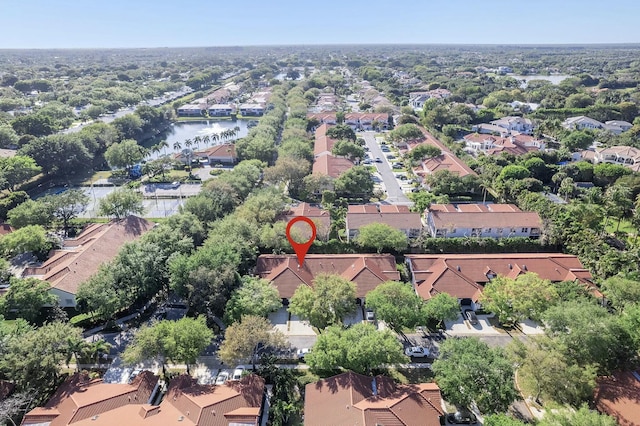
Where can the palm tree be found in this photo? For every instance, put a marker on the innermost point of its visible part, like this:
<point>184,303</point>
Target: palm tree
<point>215,137</point>
<point>177,146</point>
<point>156,149</point>
<point>76,349</point>
<point>197,140</point>
<point>100,348</point>
<point>207,140</point>
<point>188,143</point>
<point>164,145</point>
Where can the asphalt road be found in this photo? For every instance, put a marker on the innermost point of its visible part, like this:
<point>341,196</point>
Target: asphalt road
<point>394,192</point>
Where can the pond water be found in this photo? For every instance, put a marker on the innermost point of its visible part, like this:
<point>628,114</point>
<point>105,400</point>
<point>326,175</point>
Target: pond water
<point>554,79</point>
<point>180,132</point>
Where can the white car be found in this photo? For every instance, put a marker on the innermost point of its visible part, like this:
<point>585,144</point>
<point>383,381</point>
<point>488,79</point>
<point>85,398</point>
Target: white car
<point>416,351</point>
<point>302,352</point>
<point>237,373</point>
<point>223,376</point>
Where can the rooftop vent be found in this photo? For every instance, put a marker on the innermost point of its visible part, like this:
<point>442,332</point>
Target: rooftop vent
<point>94,417</point>
<point>510,266</point>
<point>458,268</point>
<point>524,267</point>
<point>181,418</point>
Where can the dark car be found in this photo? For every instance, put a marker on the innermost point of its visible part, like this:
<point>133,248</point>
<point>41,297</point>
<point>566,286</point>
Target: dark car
<point>471,317</point>
<point>398,165</point>
<point>462,418</point>
<point>378,160</point>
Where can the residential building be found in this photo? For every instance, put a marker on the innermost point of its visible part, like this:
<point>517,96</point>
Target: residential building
<point>357,400</point>
<point>618,396</point>
<point>517,144</point>
<point>324,117</point>
<point>366,121</point>
<point>418,99</point>
<point>617,126</point>
<point>624,155</point>
<point>320,217</point>
<point>490,129</point>
<point>463,276</point>
<point>81,257</point>
<point>397,217</point>
<point>81,401</point>
<point>224,154</point>
<point>481,220</point>
<point>515,124</point>
<point>251,110</point>
<point>581,123</point>
<point>191,110</point>
<point>326,163</point>
<point>367,271</point>
<point>221,110</point>
<point>445,161</point>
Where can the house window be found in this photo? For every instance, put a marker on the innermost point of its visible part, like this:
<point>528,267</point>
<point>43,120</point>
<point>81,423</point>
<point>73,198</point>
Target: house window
<point>487,230</point>
<point>500,231</point>
<point>525,230</point>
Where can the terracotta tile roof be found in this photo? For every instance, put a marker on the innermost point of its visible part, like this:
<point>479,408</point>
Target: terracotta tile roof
<point>398,217</point>
<point>619,396</point>
<point>323,143</point>
<point>323,116</point>
<point>366,270</point>
<point>350,399</point>
<point>464,275</point>
<point>482,216</point>
<point>225,150</point>
<point>185,403</point>
<point>331,166</point>
<point>321,218</point>
<point>517,144</point>
<point>5,228</point>
<point>81,257</point>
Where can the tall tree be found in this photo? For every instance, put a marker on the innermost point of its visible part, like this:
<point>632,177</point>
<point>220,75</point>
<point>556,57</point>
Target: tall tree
<point>468,370</point>
<point>360,348</point>
<point>398,305</point>
<point>513,300</point>
<point>381,236</point>
<point>355,183</point>
<point>243,339</point>
<point>583,417</point>
<point>17,170</point>
<point>255,296</point>
<point>327,303</point>
<point>67,205</point>
<point>124,154</point>
<point>121,203</point>
<point>25,298</point>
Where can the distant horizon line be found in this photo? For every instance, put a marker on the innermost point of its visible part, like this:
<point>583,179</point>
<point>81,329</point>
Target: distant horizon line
<point>603,44</point>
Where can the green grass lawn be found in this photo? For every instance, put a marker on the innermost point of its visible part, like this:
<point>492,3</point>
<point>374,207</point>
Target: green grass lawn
<point>91,178</point>
<point>625,226</point>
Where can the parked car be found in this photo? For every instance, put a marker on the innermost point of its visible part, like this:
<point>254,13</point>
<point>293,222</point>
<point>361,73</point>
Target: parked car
<point>471,317</point>
<point>416,351</point>
<point>237,373</point>
<point>302,352</point>
<point>391,156</point>
<point>462,417</point>
<point>369,315</point>
<point>401,177</point>
<point>366,161</point>
<point>385,148</point>
<point>398,165</point>
<point>223,376</point>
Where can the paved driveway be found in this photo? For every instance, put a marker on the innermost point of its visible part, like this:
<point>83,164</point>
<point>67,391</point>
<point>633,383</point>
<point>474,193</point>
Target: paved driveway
<point>394,192</point>
<point>462,327</point>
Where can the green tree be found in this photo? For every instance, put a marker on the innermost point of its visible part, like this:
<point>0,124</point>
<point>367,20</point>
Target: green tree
<point>405,132</point>
<point>423,151</point>
<point>328,302</point>
<point>59,155</point>
<point>255,296</point>
<point>468,370</point>
<point>243,339</point>
<point>546,373</point>
<point>348,149</point>
<point>67,205</point>
<point>26,297</point>
<point>289,172</point>
<point>124,154</point>
<point>355,183</point>
<point>577,140</point>
<point>442,307</point>
<point>398,305</point>
<point>32,358</point>
<point>8,136</point>
<point>513,300</point>
<point>17,170</point>
<point>360,348</point>
<point>583,417</point>
<point>621,291</point>
<point>30,213</point>
<point>381,236</point>
<point>186,339</point>
<point>31,238</point>
<point>342,131</point>
<point>121,203</point>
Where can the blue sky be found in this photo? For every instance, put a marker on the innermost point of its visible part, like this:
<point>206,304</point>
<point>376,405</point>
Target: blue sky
<point>160,23</point>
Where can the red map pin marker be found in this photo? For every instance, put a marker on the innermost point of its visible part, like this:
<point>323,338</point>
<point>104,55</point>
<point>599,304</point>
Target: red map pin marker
<point>301,249</point>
